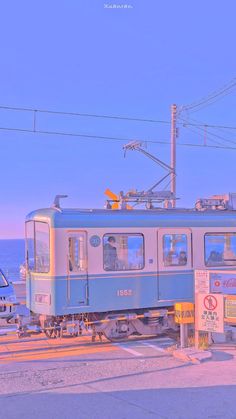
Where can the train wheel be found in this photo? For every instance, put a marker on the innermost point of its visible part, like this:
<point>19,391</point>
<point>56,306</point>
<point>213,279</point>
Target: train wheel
<point>49,333</point>
<point>118,337</point>
<point>118,330</point>
<point>52,330</point>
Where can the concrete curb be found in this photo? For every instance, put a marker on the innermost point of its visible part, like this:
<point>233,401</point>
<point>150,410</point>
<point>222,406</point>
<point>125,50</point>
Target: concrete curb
<point>192,355</point>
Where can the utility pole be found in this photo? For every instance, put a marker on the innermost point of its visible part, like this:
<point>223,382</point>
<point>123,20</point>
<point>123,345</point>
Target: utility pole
<point>173,152</point>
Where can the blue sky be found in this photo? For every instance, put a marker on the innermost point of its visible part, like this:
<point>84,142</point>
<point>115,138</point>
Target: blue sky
<point>80,56</point>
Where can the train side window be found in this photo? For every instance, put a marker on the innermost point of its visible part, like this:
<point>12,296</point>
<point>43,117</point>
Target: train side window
<point>220,249</point>
<point>123,252</point>
<point>175,251</point>
<point>77,253</point>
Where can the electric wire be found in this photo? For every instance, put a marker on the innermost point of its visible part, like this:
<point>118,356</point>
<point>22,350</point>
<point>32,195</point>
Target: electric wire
<point>209,103</point>
<point>99,137</point>
<point>202,124</point>
<point>47,111</point>
<point>210,139</point>
<point>88,136</point>
<point>209,133</point>
<point>20,109</point>
<point>214,95</point>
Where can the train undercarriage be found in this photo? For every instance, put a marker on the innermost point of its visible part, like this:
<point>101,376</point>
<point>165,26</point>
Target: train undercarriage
<point>115,326</point>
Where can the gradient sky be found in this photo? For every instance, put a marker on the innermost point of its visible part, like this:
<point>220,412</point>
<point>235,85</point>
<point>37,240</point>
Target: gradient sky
<point>80,56</point>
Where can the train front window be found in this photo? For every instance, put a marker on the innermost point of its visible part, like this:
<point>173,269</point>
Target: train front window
<point>175,250</point>
<point>220,249</point>
<point>3,281</point>
<point>30,245</point>
<point>123,252</point>
<point>37,246</point>
<point>41,247</point>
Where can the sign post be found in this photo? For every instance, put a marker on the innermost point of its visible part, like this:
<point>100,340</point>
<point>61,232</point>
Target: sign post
<point>184,315</point>
<point>215,301</point>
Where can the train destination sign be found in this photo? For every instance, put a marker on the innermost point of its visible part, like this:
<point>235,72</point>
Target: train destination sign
<point>209,312</point>
<point>230,308</point>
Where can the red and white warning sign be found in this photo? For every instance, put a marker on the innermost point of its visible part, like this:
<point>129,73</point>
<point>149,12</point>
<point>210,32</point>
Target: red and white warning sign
<point>210,302</point>
<point>209,312</point>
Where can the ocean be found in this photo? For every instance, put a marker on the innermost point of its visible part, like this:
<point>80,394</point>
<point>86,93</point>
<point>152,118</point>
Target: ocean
<point>12,255</point>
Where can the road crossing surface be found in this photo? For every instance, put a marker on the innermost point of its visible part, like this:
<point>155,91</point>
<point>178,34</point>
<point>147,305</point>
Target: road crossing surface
<point>39,347</point>
<point>75,378</point>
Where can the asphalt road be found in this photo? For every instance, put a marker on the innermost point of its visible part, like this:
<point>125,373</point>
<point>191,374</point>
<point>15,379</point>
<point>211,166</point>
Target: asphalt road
<point>138,379</point>
<point>72,378</point>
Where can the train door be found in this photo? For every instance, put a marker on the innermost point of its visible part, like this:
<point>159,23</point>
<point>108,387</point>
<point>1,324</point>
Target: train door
<point>77,282</point>
<point>175,279</point>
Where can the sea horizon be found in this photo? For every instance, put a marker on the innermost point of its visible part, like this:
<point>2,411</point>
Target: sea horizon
<point>12,255</point>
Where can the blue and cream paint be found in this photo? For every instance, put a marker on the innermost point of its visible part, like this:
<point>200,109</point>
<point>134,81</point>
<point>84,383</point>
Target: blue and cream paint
<point>99,291</point>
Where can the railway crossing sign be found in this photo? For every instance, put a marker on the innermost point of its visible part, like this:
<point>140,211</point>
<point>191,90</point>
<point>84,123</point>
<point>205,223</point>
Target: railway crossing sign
<point>209,312</point>
<point>210,302</point>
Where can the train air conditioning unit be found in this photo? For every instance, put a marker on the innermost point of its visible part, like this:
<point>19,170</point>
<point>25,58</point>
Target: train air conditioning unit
<point>217,202</point>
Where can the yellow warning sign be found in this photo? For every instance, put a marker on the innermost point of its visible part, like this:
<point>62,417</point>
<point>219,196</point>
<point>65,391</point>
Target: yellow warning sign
<point>230,308</point>
<point>184,313</point>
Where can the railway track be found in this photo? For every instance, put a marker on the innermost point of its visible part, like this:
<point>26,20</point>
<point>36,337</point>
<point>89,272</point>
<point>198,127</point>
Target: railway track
<point>37,347</point>
<point>41,348</point>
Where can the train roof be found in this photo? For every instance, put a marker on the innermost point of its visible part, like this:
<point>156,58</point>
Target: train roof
<point>85,218</point>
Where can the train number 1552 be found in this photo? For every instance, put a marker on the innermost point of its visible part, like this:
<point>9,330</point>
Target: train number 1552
<point>124,293</point>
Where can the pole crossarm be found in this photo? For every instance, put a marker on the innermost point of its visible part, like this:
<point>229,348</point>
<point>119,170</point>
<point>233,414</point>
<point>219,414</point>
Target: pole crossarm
<point>150,195</point>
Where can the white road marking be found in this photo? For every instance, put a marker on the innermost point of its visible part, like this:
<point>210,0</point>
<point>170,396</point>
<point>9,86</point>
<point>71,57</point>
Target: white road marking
<point>157,348</point>
<point>132,351</point>
<point>139,345</point>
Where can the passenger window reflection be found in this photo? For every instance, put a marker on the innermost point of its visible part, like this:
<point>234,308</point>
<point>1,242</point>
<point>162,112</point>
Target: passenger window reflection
<point>175,250</point>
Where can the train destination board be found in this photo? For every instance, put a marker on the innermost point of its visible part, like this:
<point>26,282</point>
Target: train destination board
<point>209,312</point>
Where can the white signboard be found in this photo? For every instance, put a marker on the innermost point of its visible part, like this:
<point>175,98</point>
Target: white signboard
<point>209,312</point>
<point>202,283</point>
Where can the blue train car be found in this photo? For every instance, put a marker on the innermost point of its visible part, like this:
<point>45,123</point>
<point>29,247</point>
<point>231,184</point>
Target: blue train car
<point>122,269</point>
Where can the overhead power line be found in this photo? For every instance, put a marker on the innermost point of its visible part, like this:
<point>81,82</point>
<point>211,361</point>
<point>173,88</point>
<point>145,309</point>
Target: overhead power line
<point>206,132</point>
<point>195,125</point>
<point>203,125</point>
<point>211,98</point>
<point>110,138</point>
<point>70,134</point>
<point>125,118</point>
<point>20,109</point>
<point>200,134</point>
